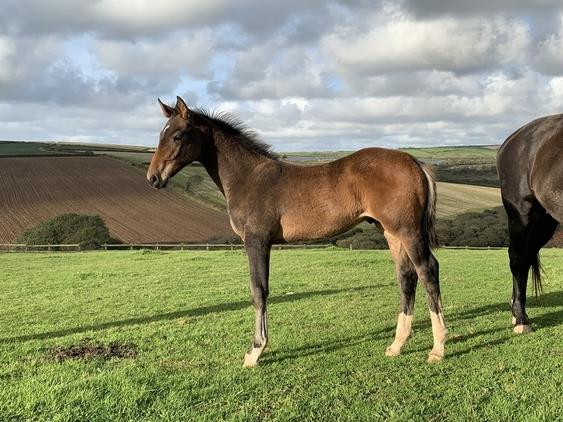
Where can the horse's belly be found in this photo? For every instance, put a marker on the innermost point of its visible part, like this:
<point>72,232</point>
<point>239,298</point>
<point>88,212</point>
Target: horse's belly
<point>312,227</point>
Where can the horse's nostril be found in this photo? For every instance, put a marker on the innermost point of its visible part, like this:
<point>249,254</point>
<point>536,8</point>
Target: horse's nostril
<point>153,180</point>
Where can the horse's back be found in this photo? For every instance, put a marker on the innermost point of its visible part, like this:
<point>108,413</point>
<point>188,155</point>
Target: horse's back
<point>530,167</point>
<point>322,200</point>
<point>536,145</point>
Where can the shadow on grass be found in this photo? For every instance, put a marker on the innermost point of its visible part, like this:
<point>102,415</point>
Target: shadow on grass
<point>544,301</point>
<point>327,346</point>
<point>204,310</point>
<point>539,322</point>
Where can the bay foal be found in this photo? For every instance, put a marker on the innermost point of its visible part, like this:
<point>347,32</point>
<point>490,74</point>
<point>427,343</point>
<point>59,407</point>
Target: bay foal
<point>272,201</point>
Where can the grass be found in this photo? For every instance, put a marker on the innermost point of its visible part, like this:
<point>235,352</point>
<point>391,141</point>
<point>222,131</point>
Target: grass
<point>8,148</point>
<point>332,314</point>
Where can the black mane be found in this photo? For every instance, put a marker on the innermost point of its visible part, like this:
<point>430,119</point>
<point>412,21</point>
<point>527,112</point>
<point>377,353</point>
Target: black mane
<point>241,133</point>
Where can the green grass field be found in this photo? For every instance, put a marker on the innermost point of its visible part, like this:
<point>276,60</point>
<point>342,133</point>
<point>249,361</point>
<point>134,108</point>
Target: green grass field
<point>454,153</point>
<point>8,148</point>
<point>436,153</point>
<point>454,199</point>
<point>332,313</point>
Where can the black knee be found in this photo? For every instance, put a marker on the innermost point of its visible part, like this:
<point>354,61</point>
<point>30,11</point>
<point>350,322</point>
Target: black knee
<point>259,297</point>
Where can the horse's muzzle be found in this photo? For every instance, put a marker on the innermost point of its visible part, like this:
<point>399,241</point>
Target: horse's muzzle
<point>156,181</point>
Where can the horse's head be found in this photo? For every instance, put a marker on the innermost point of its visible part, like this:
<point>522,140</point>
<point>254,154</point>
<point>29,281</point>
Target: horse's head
<point>180,144</point>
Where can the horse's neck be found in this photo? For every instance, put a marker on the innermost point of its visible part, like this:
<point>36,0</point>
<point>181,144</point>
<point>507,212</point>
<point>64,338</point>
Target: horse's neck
<point>228,163</point>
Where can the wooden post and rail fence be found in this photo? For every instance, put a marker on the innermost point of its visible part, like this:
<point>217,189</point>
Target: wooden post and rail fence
<point>71,247</point>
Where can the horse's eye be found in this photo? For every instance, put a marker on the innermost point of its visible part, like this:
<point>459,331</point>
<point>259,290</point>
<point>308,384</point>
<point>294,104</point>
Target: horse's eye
<point>177,138</point>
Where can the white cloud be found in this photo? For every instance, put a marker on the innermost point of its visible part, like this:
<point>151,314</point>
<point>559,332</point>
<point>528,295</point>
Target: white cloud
<point>186,53</point>
<point>447,44</point>
<point>7,50</point>
<point>143,13</point>
<point>549,58</point>
<point>316,75</point>
<point>270,70</point>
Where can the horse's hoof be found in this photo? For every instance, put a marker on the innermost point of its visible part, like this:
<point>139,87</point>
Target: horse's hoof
<point>513,320</point>
<point>523,329</point>
<point>250,361</point>
<point>433,357</point>
<point>392,352</point>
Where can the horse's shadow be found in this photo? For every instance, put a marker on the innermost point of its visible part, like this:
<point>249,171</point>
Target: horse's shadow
<point>539,322</point>
<point>185,313</point>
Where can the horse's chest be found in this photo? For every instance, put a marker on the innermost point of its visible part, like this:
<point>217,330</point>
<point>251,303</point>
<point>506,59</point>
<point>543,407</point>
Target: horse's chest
<point>237,227</point>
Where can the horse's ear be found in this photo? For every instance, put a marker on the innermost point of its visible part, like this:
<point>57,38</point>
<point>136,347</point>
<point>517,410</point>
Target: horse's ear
<point>166,110</point>
<point>182,108</point>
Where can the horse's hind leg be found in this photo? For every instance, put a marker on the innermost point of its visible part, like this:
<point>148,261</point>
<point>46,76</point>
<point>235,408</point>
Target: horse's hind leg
<point>407,279</point>
<point>427,270</point>
<point>528,232</point>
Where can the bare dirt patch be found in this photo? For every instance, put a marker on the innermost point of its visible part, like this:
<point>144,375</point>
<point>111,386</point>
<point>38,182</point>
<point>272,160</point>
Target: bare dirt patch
<point>89,350</point>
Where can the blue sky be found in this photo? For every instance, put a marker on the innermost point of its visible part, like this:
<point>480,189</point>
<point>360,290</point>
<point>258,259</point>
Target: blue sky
<point>315,75</point>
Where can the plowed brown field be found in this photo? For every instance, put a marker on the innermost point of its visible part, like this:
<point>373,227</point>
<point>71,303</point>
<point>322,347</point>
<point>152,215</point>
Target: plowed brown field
<point>35,189</point>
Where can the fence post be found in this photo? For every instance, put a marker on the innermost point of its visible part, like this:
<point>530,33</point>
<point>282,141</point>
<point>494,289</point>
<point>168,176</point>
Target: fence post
<point>157,247</point>
<point>207,247</point>
<point>232,247</point>
<point>182,246</point>
<point>105,246</point>
<point>350,245</point>
<point>49,247</point>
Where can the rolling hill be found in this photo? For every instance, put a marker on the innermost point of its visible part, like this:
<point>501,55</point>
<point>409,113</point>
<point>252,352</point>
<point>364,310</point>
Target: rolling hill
<point>33,189</point>
<point>41,180</point>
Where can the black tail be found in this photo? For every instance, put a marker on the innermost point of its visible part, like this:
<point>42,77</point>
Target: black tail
<point>536,275</point>
<point>429,216</point>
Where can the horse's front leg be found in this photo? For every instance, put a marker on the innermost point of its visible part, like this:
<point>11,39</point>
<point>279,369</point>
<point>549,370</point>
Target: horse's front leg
<point>258,251</point>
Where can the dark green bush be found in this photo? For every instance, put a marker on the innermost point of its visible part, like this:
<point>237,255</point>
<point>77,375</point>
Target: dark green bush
<point>89,231</point>
<point>487,228</point>
<point>368,238</point>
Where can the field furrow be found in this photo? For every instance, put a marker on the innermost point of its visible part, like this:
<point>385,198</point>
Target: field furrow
<point>35,189</point>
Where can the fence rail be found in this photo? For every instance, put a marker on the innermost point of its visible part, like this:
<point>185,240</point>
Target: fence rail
<point>22,247</point>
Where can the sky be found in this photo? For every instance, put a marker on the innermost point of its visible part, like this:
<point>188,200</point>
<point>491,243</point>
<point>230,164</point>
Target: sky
<point>306,75</point>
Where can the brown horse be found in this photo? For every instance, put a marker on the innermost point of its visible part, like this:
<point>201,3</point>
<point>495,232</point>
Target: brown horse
<point>274,201</point>
<point>530,168</point>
